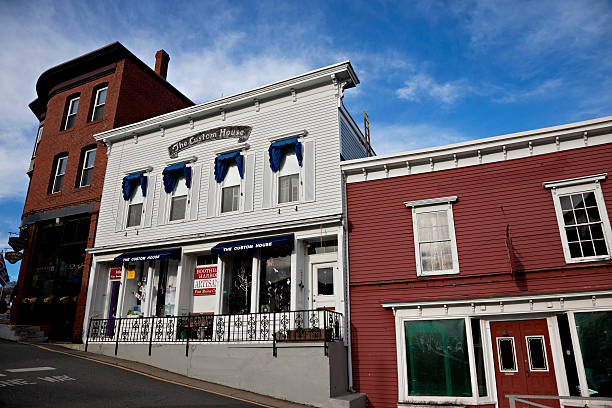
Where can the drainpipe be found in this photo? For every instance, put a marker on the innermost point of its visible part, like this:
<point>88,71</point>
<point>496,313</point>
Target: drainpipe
<point>348,292</point>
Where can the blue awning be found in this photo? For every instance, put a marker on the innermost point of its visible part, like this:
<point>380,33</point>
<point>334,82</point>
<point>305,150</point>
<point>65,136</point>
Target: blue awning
<point>222,163</point>
<point>171,174</point>
<point>253,244</point>
<point>277,149</point>
<point>149,255</point>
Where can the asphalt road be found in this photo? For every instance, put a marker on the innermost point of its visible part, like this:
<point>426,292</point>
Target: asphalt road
<point>34,377</point>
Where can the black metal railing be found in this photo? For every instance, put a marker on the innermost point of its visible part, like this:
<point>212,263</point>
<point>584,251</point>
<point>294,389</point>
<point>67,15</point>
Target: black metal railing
<point>279,327</point>
<point>581,401</point>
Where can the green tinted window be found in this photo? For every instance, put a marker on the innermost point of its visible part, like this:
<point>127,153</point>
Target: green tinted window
<point>595,335</point>
<point>437,358</point>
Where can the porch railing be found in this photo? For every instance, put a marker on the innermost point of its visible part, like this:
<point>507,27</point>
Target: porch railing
<point>299,326</point>
<point>587,401</point>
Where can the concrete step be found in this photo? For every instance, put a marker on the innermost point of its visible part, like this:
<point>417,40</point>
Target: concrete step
<point>348,400</point>
<point>28,333</point>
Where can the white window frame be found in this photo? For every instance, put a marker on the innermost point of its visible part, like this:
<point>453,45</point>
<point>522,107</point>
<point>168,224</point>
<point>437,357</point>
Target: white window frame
<point>87,152</point>
<point>277,177</point>
<point>220,187</point>
<point>431,205</point>
<point>96,104</point>
<point>402,316</point>
<point>536,370</point>
<point>574,186</point>
<point>38,137</point>
<point>68,114</point>
<point>169,203</point>
<point>499,359</point>
<point>57,174</point>
<point>142,214</point>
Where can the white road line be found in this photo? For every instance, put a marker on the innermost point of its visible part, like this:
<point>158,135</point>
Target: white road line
<point>2,375</point>
<point>25,370</point>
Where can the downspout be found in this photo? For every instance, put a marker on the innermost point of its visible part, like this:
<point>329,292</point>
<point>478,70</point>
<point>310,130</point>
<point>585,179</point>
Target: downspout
<point>348,292</point>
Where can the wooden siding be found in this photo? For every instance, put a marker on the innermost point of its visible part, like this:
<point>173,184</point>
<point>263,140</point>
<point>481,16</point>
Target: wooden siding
<point>314,111</point>
<point>350,145</point>
<point>490,196</point>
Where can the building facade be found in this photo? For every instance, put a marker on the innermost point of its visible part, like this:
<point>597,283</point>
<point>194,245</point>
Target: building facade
<point>107,88</point>
<point>231,207</point>
<point>482,269</point>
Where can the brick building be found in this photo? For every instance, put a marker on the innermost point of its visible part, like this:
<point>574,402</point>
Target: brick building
<point>483,269</point>
<point>102,90</point>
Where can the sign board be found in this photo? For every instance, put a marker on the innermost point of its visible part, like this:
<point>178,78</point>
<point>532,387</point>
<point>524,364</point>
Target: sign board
<point>205,280</point>
<point>13,257</point>
<point>131,274</point>
<point>224,132</point>
<point>115,273</point>
<point>17,243</point>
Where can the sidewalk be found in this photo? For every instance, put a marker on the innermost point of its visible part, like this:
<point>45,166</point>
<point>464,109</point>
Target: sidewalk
<point>163,375</point>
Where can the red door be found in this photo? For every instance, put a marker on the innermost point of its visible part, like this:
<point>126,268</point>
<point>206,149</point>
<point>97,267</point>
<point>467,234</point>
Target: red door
<point>523,361</point>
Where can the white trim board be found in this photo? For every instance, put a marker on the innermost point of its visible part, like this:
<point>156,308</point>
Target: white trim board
<point>481,151</point>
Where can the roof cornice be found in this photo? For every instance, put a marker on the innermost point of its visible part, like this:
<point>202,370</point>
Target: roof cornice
<point>341,72</point>
<point>479,151</point>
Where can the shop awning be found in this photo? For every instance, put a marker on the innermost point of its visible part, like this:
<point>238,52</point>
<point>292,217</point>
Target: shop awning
<point>253,244</point>
<point>149,255</point>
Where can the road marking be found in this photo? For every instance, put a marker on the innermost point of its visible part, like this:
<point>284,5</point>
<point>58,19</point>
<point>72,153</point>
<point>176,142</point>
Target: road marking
<point>13,382</point>
<point>26,370</point>
<point>2,375</point>
<point>150,375</point>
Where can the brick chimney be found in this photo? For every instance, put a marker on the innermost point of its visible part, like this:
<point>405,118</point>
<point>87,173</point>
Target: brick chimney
<point>161,63</point>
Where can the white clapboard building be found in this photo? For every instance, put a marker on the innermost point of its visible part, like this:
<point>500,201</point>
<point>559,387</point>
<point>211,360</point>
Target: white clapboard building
<point>223,223</point>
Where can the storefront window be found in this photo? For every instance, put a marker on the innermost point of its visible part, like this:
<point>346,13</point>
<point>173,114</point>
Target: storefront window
<point>275,281</point>
<point>134,289</point>
<point>479,358</point>
<point>437,358</point>
<point>595,336</point>
<point>237,284</point>
<point>166,287</point>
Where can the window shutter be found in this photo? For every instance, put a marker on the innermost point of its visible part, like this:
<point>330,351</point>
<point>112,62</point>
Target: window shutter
<point>195,191</point>
<point>249,182</point>
<point>151,187</point>
<point>120,210</point>
<point>268,179</point>
<point>161,211</point>
<point>211,209</point>
<point>309,171</point>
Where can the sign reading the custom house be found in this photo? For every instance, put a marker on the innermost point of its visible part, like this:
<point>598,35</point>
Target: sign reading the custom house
<point>242,133</point>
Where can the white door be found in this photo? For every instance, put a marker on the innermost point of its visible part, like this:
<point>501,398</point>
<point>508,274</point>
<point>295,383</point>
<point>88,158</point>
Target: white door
<point>324,285</point>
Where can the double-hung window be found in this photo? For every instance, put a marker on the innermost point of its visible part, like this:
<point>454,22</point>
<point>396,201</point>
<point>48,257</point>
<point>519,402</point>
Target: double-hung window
<point>135,203</point>
<point>88,164</point>
<point>230,190</point>
<point>178,200</point>
<point>582,218</point>
<point>289,179</point>
<point>71,112</point>
<point>177,184</point>
<point>99,102</point>
<point>38,137</point>
<point>60,171</point>
<point>434,236</point>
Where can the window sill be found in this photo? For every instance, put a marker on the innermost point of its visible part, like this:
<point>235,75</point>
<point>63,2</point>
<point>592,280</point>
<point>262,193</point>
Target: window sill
<point>589,259</point>
<point>437,273</point>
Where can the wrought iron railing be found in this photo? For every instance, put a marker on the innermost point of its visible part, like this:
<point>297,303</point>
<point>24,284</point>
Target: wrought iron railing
<point>301,326</point>
<point>587,401</point>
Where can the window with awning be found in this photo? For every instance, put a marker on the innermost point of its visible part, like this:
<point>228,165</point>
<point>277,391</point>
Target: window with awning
<point>177,182</point>
<point>229,171</point>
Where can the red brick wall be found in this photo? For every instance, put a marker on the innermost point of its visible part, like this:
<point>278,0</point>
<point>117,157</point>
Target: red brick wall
<point>490,196</point>
<point>134,94</point>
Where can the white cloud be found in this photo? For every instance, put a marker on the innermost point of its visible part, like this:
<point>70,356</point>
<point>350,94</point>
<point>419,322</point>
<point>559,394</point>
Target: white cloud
<point>421,85</point>
<point>542,90</point>
<point>393,138</point>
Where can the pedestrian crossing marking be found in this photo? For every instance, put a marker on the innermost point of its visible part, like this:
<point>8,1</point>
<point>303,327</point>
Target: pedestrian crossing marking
<point>25,370</point>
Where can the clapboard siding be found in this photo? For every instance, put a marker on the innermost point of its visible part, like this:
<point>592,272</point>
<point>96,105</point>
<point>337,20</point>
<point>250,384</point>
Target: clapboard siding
<point>314,111</point>
<point>490,196</point>
<point>350,145</point>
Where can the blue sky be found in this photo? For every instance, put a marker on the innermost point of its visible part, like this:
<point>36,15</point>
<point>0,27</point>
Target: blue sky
<point>431,72</point>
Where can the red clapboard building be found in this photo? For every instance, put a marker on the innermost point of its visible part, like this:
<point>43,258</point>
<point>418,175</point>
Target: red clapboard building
<point>483,269</point>
<point>104,89</point>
